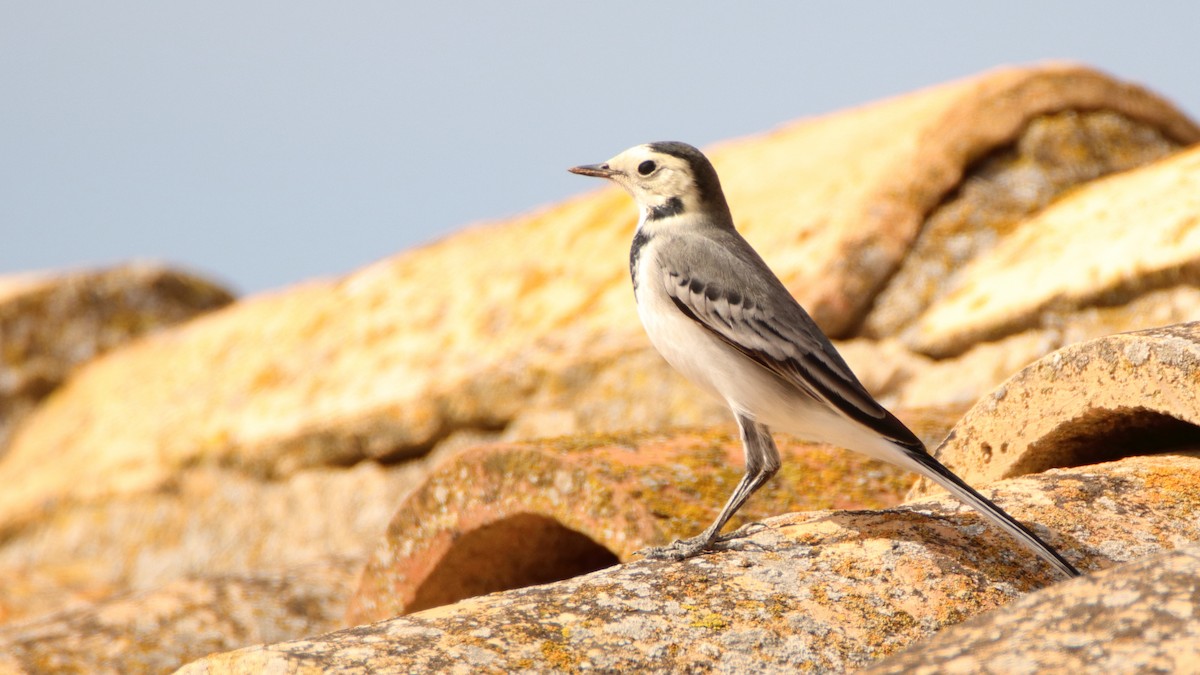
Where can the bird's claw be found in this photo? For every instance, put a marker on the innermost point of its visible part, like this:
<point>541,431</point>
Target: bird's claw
<point>682,549</point>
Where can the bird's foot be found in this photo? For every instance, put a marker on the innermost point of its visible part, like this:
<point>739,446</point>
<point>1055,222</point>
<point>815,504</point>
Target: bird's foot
<point>682,549</point>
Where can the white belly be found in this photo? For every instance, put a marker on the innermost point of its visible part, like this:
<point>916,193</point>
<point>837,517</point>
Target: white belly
<point>714,366</point>
<point>746,387</point>
<point>687,346</point>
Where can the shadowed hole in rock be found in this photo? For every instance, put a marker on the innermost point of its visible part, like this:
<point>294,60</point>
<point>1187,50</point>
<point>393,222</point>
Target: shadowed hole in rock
<point>521,550</point>
<point>1108,435</point>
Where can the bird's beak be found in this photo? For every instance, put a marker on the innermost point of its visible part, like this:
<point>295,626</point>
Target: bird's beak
<point>598,170</point>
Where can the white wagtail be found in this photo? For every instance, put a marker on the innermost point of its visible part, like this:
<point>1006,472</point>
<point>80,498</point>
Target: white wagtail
<point>717,313</point>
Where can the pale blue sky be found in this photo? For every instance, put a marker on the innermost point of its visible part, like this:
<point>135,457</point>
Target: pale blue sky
<point>264,143</point>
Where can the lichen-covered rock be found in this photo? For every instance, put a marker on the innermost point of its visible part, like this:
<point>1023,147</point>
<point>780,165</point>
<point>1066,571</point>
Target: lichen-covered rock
<point>210,521</point>
<point>1087,403</point>
<point>158,631</point>
<point>1140,617</point>
<point>222,446</point>
<point>1103,245</point>
<point>866,180</point>
<point>392,359</point>
<point>825,591</point>
<point>50,323</point>
<point>512,515</point>
<point>1052,155</point>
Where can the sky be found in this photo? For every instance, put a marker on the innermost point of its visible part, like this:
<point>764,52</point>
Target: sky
<point>262,144</point>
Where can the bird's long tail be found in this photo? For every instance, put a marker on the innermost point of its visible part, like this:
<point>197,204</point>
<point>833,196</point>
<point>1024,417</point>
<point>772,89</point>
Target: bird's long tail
<point>928,466</point>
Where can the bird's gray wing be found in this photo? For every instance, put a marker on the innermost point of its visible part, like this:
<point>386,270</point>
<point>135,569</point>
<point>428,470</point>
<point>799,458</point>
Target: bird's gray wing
<point>721,283</point>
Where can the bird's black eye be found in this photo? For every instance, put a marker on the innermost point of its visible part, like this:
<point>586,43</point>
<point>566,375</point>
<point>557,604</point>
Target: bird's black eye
<point>647,167</point>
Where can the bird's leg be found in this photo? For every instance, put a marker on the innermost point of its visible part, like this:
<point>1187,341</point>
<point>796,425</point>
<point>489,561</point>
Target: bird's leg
<point>762,462</point>
<point>761,453</point>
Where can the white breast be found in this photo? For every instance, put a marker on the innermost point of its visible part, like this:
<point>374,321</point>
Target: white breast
<point>723,372</point>
<point>696,353</point>
<point>682,342</point>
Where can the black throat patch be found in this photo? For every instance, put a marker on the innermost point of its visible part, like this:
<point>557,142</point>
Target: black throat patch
<point>640,239</point>
<point>672,207</point>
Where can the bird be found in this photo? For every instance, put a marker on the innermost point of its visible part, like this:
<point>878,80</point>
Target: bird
<point>717,313</point>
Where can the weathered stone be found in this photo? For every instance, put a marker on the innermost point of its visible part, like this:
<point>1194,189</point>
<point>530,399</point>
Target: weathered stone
<point>1053,154</point>
<point>50,323</point>
<point>160,630</point>
<point>210,521</point>
<point>827,591</point>
<point>391,360</point>
<point>1087,403</point>
<point>1139,617</point>
<point>221,447</point>
<point>866,179</point>
<point>967,377</point>
<point>514,515</point>
<point>1102,245</point>
<point>631,390</point>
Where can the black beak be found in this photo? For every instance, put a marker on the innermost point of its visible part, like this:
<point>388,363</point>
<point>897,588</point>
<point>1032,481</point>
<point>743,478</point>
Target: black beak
<point>597,170</point>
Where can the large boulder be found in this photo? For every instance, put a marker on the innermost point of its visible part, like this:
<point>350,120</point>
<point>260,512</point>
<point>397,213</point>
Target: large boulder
<point>827,591</point>
<point>284,430</point>
<point>50,324</point>
<point>1087,403</point>
<point>527,328</point>
<point>1139,617</point>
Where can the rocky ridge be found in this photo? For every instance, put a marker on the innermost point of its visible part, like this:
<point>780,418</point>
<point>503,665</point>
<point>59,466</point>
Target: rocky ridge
<point>262,449</point>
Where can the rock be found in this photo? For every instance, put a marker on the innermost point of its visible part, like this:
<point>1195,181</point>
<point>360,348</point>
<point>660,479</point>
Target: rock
<point>388,362</point>
<point>830,591</point>
<point>1091,402</point>
<point>631,390</point>
<point>965,378</point>
<point>1134,618</point>
<point>1052,155</point>
<point>1124,236</point>
<point>868,178</point>
<point>283,430</point>
<point>512,515</point>
<point>209,522</point>
<point>50,323</point>
<point>158,631</point>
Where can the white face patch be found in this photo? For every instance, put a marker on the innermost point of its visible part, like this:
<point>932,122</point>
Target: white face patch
<point>656,178</point>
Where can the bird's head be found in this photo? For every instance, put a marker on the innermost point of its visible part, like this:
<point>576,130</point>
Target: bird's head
<point>666,179</point>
